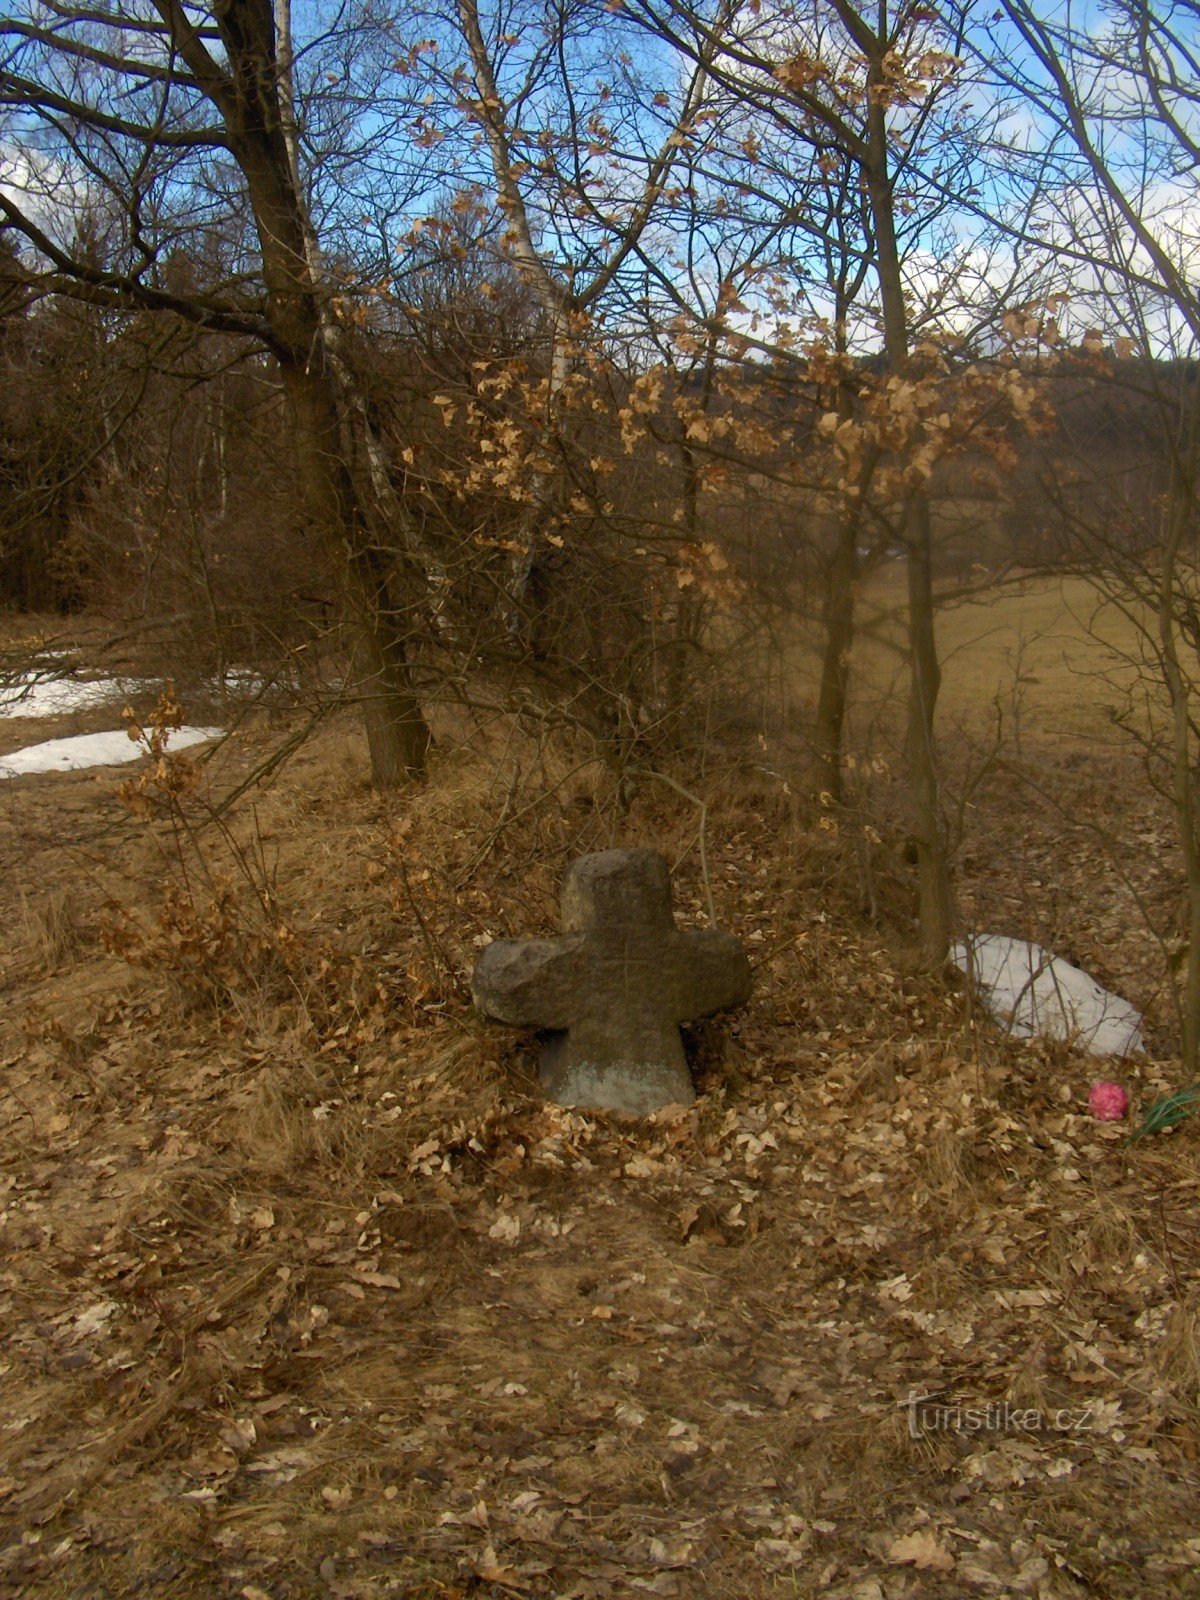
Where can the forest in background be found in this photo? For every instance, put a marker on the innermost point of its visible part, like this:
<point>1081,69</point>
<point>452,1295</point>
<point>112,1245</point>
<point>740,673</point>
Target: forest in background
<point>557,362</point>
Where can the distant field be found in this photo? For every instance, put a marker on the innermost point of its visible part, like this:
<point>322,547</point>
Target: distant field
<point>1053,632</point>
<point>1052,636</point>
<point>1068,657</point>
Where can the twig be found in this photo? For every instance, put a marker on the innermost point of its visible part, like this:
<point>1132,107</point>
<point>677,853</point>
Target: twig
<point>649,772</point>
<point>433,945</point>
<point>264,770</point>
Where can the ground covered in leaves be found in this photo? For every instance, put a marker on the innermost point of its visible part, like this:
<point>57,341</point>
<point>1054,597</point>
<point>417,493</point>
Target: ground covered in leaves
<point>306,1292</point>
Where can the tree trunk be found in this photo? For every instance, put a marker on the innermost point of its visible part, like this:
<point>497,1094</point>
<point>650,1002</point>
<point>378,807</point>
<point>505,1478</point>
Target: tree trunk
<point>841,576</point>
<point>398,736</point>
<point>838,618</point>
<point>256,104</point>
<point>684,646</point>
<point>527,618</point>
<point>1179,513</point>
<point>936,901</point>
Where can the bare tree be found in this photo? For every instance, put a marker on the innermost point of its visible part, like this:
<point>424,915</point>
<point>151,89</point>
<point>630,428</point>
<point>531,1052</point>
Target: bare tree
<point>180,118</point>
<point>589,228</point>
<point>1105,187</point>
<point>858,91</point>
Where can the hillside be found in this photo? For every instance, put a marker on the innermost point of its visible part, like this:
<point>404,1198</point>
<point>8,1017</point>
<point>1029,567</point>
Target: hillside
<point>306,1292</point>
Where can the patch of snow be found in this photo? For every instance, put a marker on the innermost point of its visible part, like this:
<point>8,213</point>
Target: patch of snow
<point>241,680</point>
<point>34,694</point>
<point>281,683</point>
<point>1034,993</point>
<point>92,750</point>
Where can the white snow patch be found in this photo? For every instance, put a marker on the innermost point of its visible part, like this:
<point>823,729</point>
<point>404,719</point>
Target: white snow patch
<point>33,694</point>
<point>92,750</point>
<point>1033,992</point>
<point>240,680</point>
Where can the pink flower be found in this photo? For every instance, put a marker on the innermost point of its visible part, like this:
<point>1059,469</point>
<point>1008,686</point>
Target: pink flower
<point>1107,1101</point>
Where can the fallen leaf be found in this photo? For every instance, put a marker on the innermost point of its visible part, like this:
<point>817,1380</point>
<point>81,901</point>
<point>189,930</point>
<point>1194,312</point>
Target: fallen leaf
<point>240,1435</point>
<point>94,1317</point>
<point>671,1552</point>
<point>488,1568</point>
<point>920,1549</point>
<point>380,1280</point>
<point>477,1517</point>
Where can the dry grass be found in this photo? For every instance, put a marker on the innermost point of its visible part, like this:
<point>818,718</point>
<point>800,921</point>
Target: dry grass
<point>52,929</point>
<point>308,1293</point>
<point>1180,1354</point>
<point>1044,652</point>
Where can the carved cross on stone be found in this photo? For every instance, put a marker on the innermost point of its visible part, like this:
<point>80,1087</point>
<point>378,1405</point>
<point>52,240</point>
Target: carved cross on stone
<point>612,990</point>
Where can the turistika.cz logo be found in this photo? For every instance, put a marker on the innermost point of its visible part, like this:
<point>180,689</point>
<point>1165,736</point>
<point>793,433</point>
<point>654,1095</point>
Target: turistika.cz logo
<point>938,1413</point>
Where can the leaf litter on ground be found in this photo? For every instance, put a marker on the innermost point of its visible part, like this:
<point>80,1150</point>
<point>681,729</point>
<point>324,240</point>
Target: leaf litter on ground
<point>307,1292</point>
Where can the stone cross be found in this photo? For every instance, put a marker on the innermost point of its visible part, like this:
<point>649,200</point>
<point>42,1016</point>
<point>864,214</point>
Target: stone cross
<point>613,988</point>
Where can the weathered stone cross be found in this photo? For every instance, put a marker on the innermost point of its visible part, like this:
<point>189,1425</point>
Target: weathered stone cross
<point>613,989</point>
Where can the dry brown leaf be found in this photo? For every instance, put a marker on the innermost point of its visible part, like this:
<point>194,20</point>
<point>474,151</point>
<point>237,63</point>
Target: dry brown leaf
<point>380,1280</point>
<point>920,1549</point>
<point>489,1569</point>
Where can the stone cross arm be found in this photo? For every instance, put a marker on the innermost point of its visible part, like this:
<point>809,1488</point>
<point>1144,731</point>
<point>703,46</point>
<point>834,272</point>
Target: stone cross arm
<point>539,983</point>
<point>707,971</point>
<point>529,983</point>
